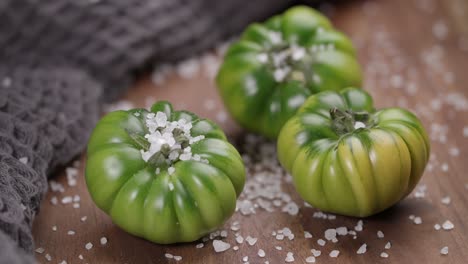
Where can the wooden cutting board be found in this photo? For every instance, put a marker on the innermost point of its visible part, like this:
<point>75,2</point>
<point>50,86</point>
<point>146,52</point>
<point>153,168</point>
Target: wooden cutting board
<point>415,55</point>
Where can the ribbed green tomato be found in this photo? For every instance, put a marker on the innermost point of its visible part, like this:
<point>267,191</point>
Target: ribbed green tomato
<point>346,158</point>
<point>197,198</point>
<point>271,70</point>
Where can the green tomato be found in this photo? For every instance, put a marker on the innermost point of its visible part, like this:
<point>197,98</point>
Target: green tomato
<point>275,66</point>
<point>349,159</point>
<point>145,198</point>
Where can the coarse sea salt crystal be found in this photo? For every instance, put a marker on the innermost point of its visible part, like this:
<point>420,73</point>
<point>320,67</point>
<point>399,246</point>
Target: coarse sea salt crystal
<point>396,81</point>
<point>103,240</point>
<point>447,225</point>
<point>437,227</point>
<point>280,74</point>
<point>297,53</point>
<point>444,167</point>
<point>359,226</point>
<point>262,58</point>
<point>465,131</point>
<point>444,251</point>
<point>67,200</point>
<point>246,207</point>
<point>310,259</point>
<point>185,156</point>
<point>359,124</point>
<point>209,104</point>
<point>285,231</point>
<point>24,160</point>
<point>188,69</point>
<point>171,170</point>
<point>251,240</point>
<point>362,249</point>
<point>289,257</point>
<point>214,234</point>
<point>177,258</point>
<point>40,250</point>
<point>56,186</point>
<point>307,234</point>
<point>275,37</point>
<point>380,234</point>
<point>388,245</point>
<point>440,30</point>
<point>445,200</point>
<point>235,226</point>
<point>224,233</point>
<point>417,220</point>
<point>89,246</point>
<point>384,255</point>
<point>316,252</point>
<point>169,256</point>
<point>173,155</point>
<point>199,245</point>
<point>222,116</point>
<point>330,234</point>
<point>71,233</point>
<point>342,231</point>
<point>334,253</point>
<point>54,200</point>
<point>261,253</point>
<point>454,151</point>
<point>321,242</point>
<point>220,246</point>
<point>71,172</point>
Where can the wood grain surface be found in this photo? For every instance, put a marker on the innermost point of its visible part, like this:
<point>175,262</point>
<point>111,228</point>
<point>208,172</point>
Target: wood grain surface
<point>415,55</point>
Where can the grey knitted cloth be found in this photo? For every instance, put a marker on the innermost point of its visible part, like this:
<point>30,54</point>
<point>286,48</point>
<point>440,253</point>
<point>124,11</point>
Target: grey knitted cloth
<point>45,116</point>
<point>59,59</point>
<point>110,39</point>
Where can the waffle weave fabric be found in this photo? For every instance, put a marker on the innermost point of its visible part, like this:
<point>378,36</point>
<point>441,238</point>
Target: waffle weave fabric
<point>60,59</point>
<point>45,117</point>
<point>122,35</point>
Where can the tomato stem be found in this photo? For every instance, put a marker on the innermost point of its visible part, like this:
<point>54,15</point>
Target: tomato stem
<point>159,159</point>
<point>290,62</point>
<point>348,121</point>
